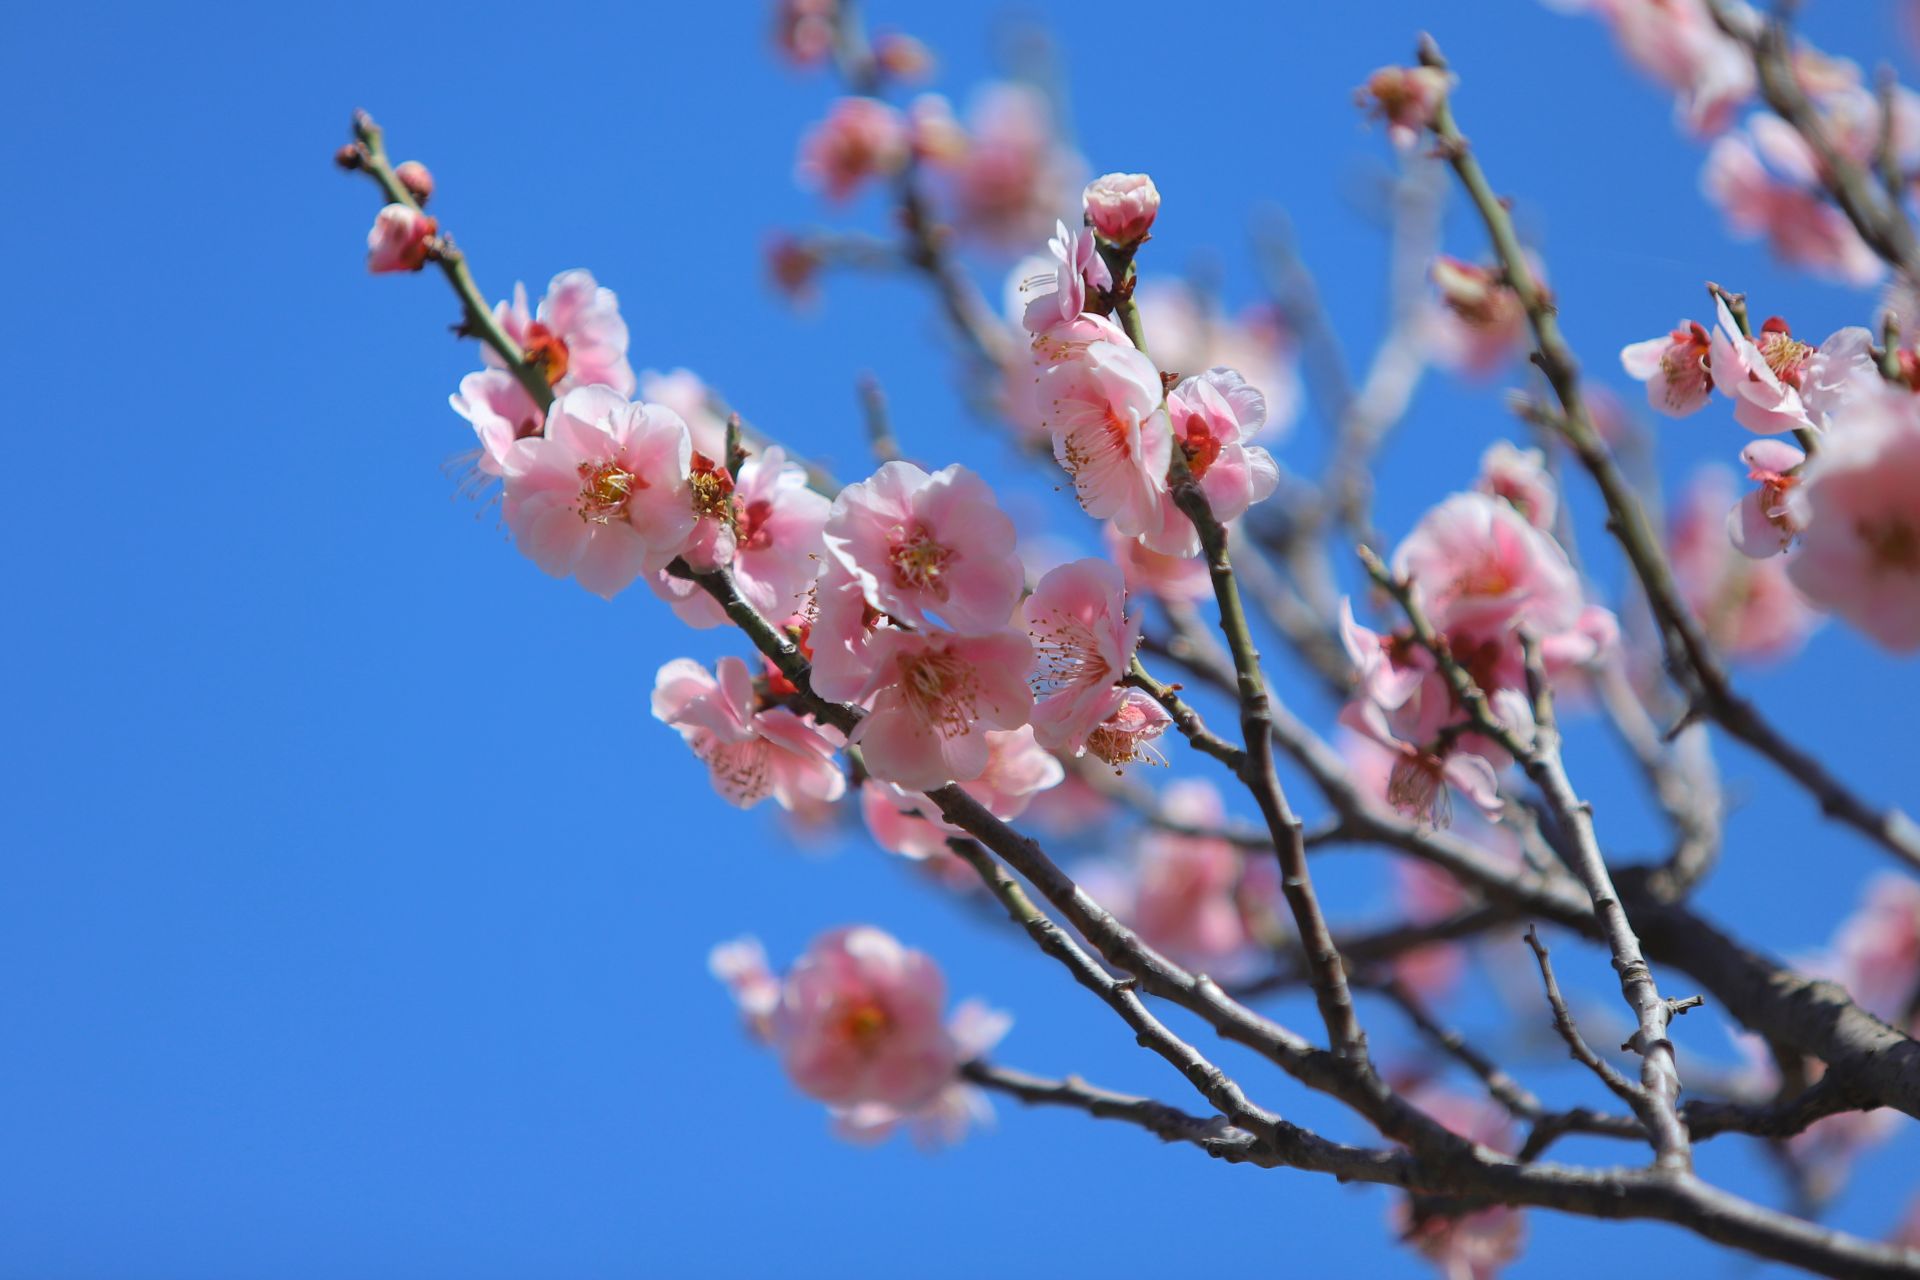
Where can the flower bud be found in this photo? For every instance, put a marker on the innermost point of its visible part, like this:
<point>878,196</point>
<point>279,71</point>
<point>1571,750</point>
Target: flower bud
<point>902,57</point>
<point>1121,206</point>
<point>400,240</point>
<point>1406,98</point>
<point>414,177</point>
<point>348,157</point>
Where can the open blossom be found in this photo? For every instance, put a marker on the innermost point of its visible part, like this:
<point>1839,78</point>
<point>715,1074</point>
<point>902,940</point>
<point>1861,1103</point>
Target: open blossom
<point>975,1028</point>
<point>861,139</point>
<point>1105,410</point>
<point>1801,227</point>
<point>928,546</point>
<point>1215,417</point>
<point>1471,1244</point>
<point>1520,478</point>
<point>1174,579</point>
<point>1013,175</point>
<point>1764,523</point>
<point>753,751</point>
<point>604,494</point>
<point>934,698</point>
<point>1858,501</point>
<point>1084,639</point>
<point>1128,733</point>
<point>1477,564</point>
<point>1122,206</point>
<point>1876,950</point>
<point>1057,298</point>
<point>1406,98</point>
<point>500,412</point>
<point>1674,369</point>
<point>842,632</point>
<point>576,336</point>
<point>684,392</point>
<point>1678,43</point>
<point>1748,606</point>
<point>1480,323</point>
<point>766,525</point>
<point>400,240</point>
<point>906,822</point>
<point>1779,383</point>
<point>1189,334</point>
<point>1418,779</point>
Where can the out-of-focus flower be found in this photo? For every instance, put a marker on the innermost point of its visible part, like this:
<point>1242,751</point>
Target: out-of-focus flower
<point>1470,1245</point>
<point>861,139</point>
<point>1010,181</point>
<point>1480,323</point>
<point>1406,98</point>
<point>1748,606</point>
<point>1674,369</point>
<point>400,240</point>
<point>1519,477</point>
<point>1801,228</point>
<point>416,179</point>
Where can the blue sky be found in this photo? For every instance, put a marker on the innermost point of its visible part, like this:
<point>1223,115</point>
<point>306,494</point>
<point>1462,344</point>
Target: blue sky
<point>354,911</point>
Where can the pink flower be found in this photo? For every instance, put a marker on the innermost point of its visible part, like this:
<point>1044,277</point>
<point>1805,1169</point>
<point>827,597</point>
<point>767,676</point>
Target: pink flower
<point>1748,606</point>
<point>1419,777</point>
<point>500,411</point>
<point>1128,733</point>
<point>1058,299</point>
<point>1406,98</point>
<point>767,527</point>
<point>753,750</point>
<point>1520,478</point>
<point>928,546</point>
<point>943,1120</point>
<point>1214,418</point>
<point>1122,206</point>
<point>1859,501</point>
<point>935,696</point>
<point>1013,176</point>
<point>1083,640</point>
<point>1763,523</point>
<point>1674,369</point>
<point>1779,383</point>
<point>603,495</point>
<point>742,966</point>
<point>577,336</point>
<point>684,392</point>
<point>415,177</point>
<point>1105,411</point>
<point>1189,334</point>
<point>1801,228</point>
<point>844,626</point>
<point>1174,579</point>
<point>1876,950</point>
<point>400,240</point>
<point>1026,367</point>
<point>908,823</point>
<point>1480,324</point>
<point>1677,43</point>
<point>803,30</point>
<point>861,138</point>
<point>1470,1244</point>
<point>1477,564</point>
<point>1198,898</point>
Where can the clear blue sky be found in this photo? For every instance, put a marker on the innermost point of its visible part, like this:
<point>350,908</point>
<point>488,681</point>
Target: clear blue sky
<point>353,911</point>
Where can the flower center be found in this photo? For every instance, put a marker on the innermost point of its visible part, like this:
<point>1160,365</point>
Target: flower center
<point>546,351</point>
<point>712,489</point>
<point>1893,543</point>
<point>1200,445</point>
<point>1416,787</point>
<point>750,522</point>
<point>1785,355</point>
<point>865,1023</point>
<point>605,490</point>
<point>939,686</point>
<point>920,563</point>
<point>1684,366</point>
<point>1068,654</point>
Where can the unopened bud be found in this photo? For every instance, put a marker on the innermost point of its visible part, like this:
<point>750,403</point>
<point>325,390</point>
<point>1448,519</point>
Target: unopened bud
<point>414,177</point>
<point>902,57</point>
<point>1406,98</point>
<point>347,157</point>
<point>1122,206</point>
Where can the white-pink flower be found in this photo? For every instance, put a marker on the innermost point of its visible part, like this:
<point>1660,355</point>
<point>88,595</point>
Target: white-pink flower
<point>1748,606</point>
<point>1677,43</point>
<point>1800,226</point>
<point>1214,418</point>
<point>1105,409</point>
<point>576,336</point>
<point>1476,564</point>
<point>754,749</point>
<point>1189,334</point>
<point>1122,206</point>
<point>861,139</point>
<point>1084,639</point>
<point>604,494</point>
<point>1674,368</point>
<point>928,547</point>
<point>500,411</point>
<point>1778,383</point>
<point>1763,523</point>
<point>1463,1244</point>
<point>1419,776</point>
<point>1858,501</point>
<point>766,526</point>
<point>1197,897</point>
<point>943,1120</point>
<point>1406,98</point>
<point>1520,478</point>
<point>684,392</point>
<point>1013,175</point>
<point>907,823</point>
<point>1057,297</point>
<point>934,698</point>
<point>1175,579</point>
<point>1128,733</point>
<point>742,966</point>
<point>400,240</point>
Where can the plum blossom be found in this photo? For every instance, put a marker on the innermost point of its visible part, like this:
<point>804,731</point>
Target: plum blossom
<point>500,412</point>
<point>861,139</point>
<point>766,525</point>
<point>1479,324</point>
<point>1106,412</point>
<point>604,494</point>
<point>1778,383</point>
<point>1189,334</point>
<point>1215,417</point>
<point>1419,777</point>
<point>1025,368</point>
<point>1406,98</point>
<point>1674,368</point>
<point>927,546</point>
<point>416,178</point>
<point>1122,206</point>
<point>934,698</point>
<point>753,750</point>
<point>687,394</point>
<point>857,1025</point>
<point>576,337</point>
<point>400,240</point>
<point>1748,606</point>
<point>803,30</point>
<point>1056,298</point>
<point>907,823</point>
<point>1479,565</point>
<point>1520,478</point>
<point>1678,44</point>
<point>1128,733</point>
<point>1876,950</point>
<point>1800,227</point>
<point>1858,501</point>
<point>1012,176</point>
<point>1174,579</point>
<point>841,633</point>
<point>1763,523</point>
<point>1084,638</point>
<point>1475,1244</point>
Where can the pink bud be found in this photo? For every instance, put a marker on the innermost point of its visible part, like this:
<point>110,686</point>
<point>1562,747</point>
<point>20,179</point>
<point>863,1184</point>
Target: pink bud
<point>414,177</point>
<point>1406,98</point>
<point>1121,206</point>
<point>400,240</point>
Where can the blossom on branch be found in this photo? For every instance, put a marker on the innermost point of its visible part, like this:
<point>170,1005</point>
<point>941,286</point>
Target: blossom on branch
<point>753,747</point>
<point>400,240</point>
<point>576,337</point>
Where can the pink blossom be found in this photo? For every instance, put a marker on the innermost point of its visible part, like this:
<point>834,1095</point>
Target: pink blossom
<point>1214,417</point>
<point>1014,175</point>
<point>418,181</point>
<point>1480,323</point>
<point>861,139</point>
<point>1477,564</point>
<point>684,392</point>
<point>1473,1244</point>
<point>1058,298</point>
<point>1174,579</point>
<point>906,822</point>
<point>500,411</point>
<point>1122,206</point>
<point>1110,431</point>
<point>604,494</point>
<point>1801,228</point>
<point>1189,334</point>
<point>400,240</point>
<point>1084,639</point>
<point>1779,383</point>
<point>935,696</point>
<point>1674,369</point>
<point>938,138</point>
<point>1198,898</point>
<point>1128,733</point>
<point>1520,478</point>
<point>844,626</point>
<point>577,336</point>
<point>767,527</point>
<point>1419,777</point>
<point>1406,98</point>
<point>925,546</point>
<point>803,30</point>
<point>1876,950</point>
<point>742,966</point>
<point>1748,606</point>
<point>943,1120</point>
<point>1026,367</point>
<point>1677,43</point>
<point>1859,502</point>
<point>1763,523</point>
<point>753,750</point>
